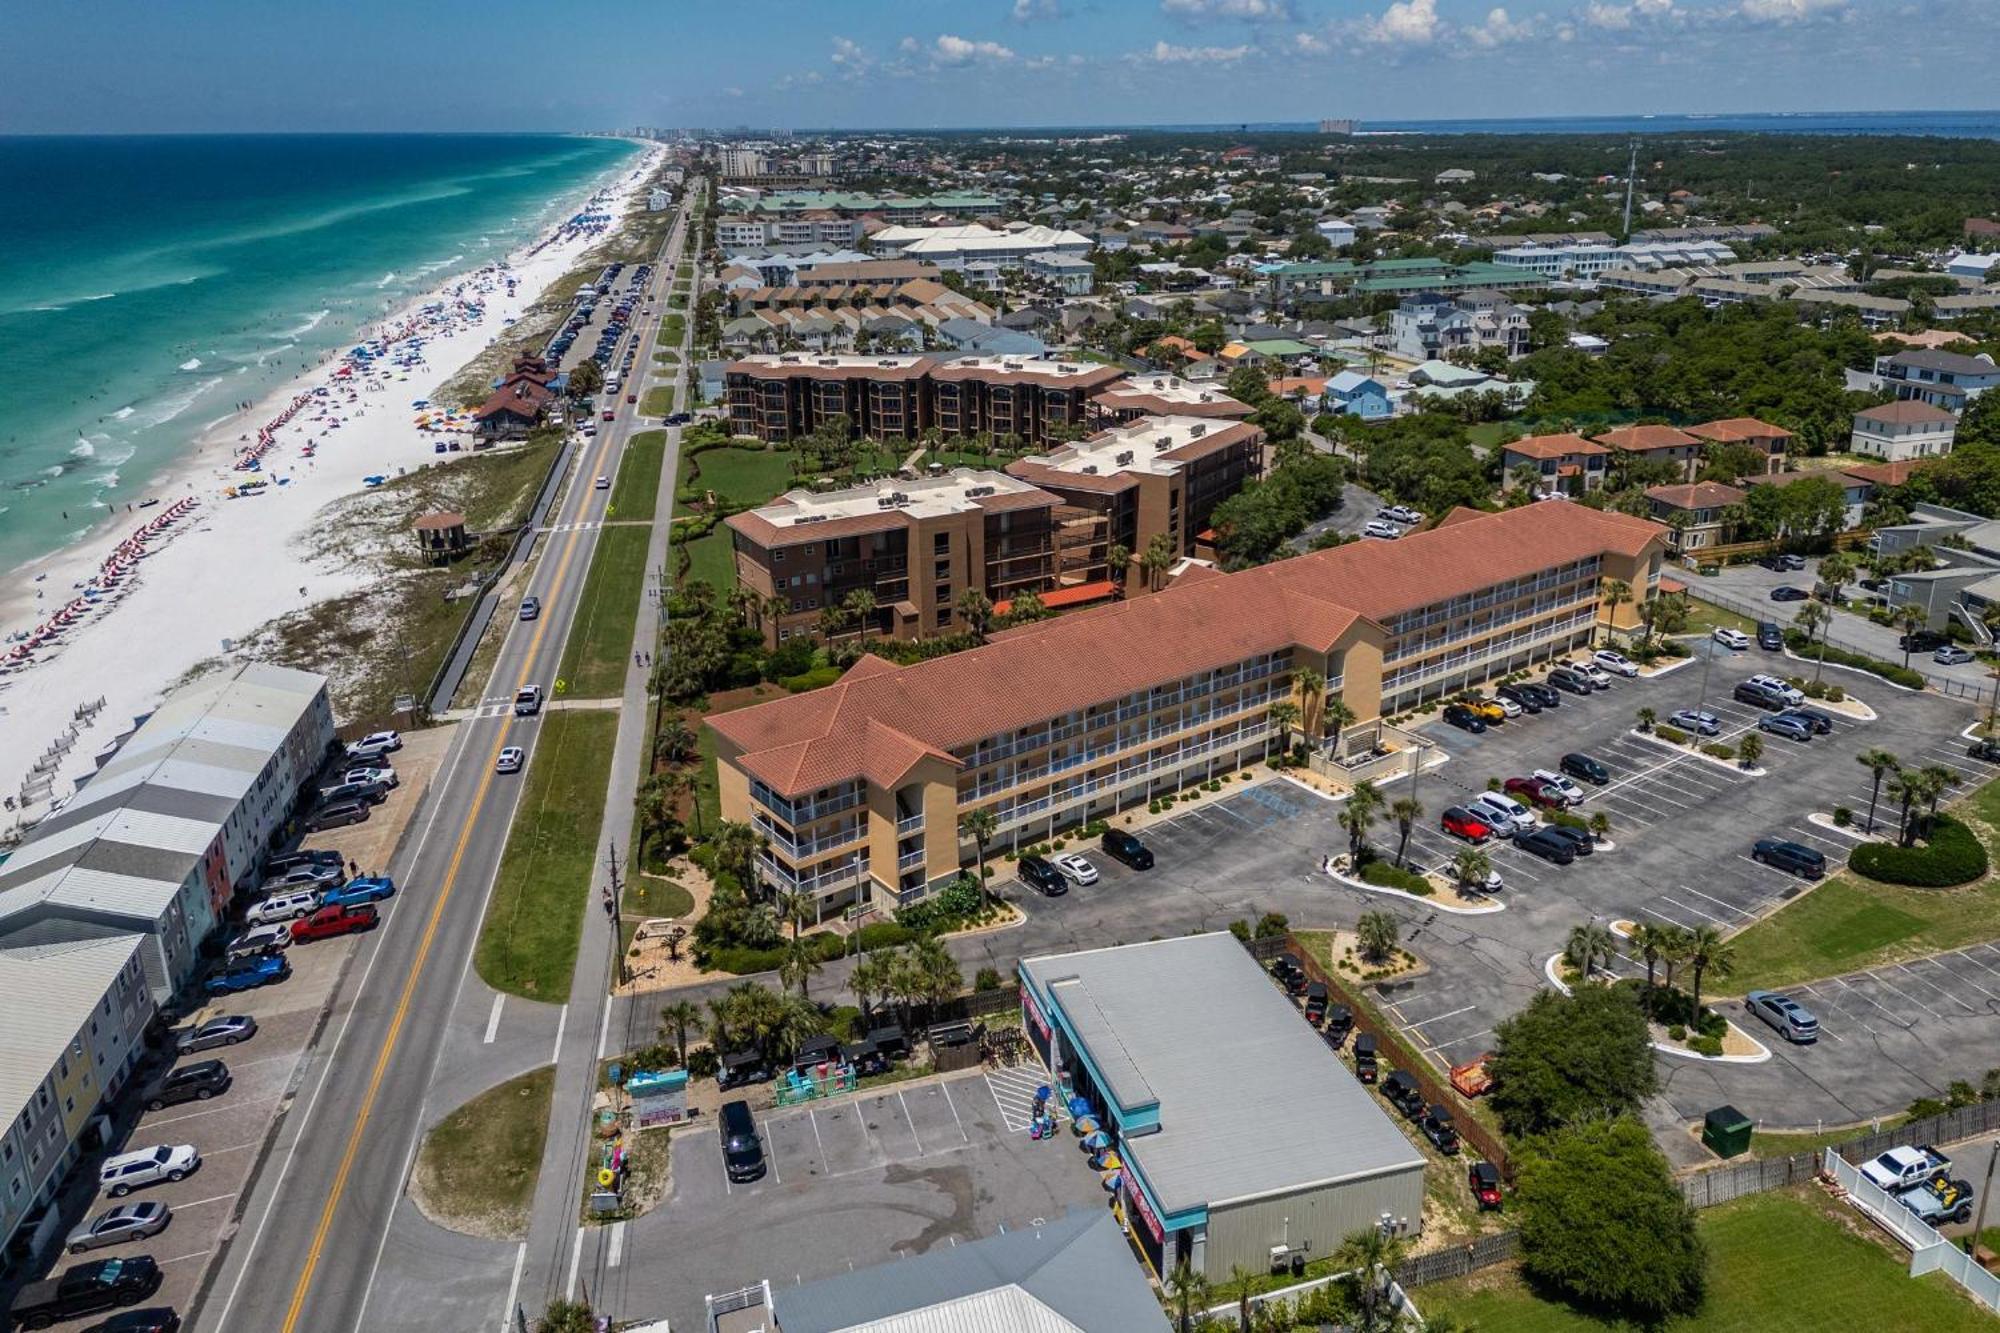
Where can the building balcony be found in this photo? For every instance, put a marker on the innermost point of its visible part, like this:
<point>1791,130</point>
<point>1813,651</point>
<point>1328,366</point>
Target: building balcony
<point>910,824</point>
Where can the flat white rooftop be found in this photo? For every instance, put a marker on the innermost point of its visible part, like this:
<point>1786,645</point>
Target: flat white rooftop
<point>956,492</point>
<point>1138,446</point>
<point>1168,388</point>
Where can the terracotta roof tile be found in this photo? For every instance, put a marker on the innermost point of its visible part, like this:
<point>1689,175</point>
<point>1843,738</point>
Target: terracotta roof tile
<point>1906,412</point>
<point>1889,474</point>
<point>1700,495</point>
<point>1739,430</point>
<point>1553,446</point>
<point>1639,439</point>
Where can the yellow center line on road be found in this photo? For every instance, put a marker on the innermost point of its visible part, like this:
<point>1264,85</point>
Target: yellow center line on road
<point>381,1069</point>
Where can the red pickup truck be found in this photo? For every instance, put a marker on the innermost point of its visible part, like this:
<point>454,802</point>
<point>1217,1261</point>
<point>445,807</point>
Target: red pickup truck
<point>341,919</point>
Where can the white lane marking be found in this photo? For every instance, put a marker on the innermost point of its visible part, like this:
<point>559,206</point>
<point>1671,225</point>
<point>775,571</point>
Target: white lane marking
<point>818,1142</point>
<point>604,1032</point>
<point>514,1289</point>
<point>562,1017</point>
<point>912,1122</point>
<point>1690,907</point>
<point>209,1110</point>
<point>575,1258</point>
<point>1877,976</point>
<point>1438,1018</point>
<point>493,1018</point>
<point>771,1154</point>
<point>615,1245</point>
<point>1470,1036</point>
<point>945,1088</point>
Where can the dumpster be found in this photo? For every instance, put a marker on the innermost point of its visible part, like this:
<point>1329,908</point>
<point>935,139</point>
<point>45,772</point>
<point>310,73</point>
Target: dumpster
<point>1726,1131</point>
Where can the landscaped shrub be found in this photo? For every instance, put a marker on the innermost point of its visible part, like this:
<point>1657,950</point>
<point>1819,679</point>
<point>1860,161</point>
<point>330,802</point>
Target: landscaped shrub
<point>1708,1046</point>
<point>1952,856</point>
<point>1385,875</point>
<point>1842,816</point>
<point>1890,671</point>
<point>883,935</point>
<point>1667,733</point>
<point>1565,819</point>
<point>1719,750</point>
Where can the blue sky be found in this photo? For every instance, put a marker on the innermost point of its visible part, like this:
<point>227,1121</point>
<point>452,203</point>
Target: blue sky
<point>226,65</point>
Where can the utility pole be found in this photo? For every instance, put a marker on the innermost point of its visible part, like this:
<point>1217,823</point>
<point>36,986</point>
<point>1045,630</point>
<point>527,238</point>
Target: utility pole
<point>613,892</point>
<point>1979,1222</point>
<point>1631,178</point>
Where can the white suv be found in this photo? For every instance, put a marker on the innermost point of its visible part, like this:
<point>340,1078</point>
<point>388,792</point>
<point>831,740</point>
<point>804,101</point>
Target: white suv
<point>126,1172</point>
<point>1793,698</point>
<point>292,906</point>
<point>1504,812</point>
<point>1562,786</point>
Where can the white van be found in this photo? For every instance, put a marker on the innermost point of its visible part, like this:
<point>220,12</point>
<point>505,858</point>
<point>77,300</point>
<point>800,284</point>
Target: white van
<point>1505,812</point>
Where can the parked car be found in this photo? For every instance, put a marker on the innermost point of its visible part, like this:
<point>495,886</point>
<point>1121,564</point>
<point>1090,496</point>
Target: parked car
<point>1750,692</point>
<point>1922,641</point>
<point>527,701</point>
<point>383,774</point>
<point>1400,514</point>
<point>338,816</point>
<point>1579,765</point>
<point>1507,815</point>
<point>1787,593</point>
<point>190,1083</point>
<point>531,607</point>
<point>1571,680</point>
<point>1616,663</point>
<point>1075,867</point>
<point>1580,842</point>
<point>1769,637</point>
<point>304,877</point>
<point>1400,1090</point>
<point>365,889</point>
<point>1793,1021</point>
<point>1315,1002</point>
<point>1039,875</point>
<point>128,1171</point>
<point>291,905</point>
<point>325,857</point>
<point>1463,823</point>
<point>1364,1057</point>
<point>1795,857</point>
<point>510,759</point>
<point>742,1149</point>
<point>1291,974</point>
<point>1382,528</point>
<point>329,922</point>
<point>248,974</point>
<point>153,1319</point>
<point>1939,1200</point>
<point>104,1284</point>
<point>1532,791</point>
<point>1438,1128</point>
<point>1465,719</point>
<point>1339,1022</point>
<point>1988,750</point>
<point>1548,694</point>
<point>1561,784</point>
<point>1821,723</point>
<point>1548,845</point>
<point>1488,710</point>
<point>1527,697</point>
<point>1784,724</point>
<point>1598,677</point>
<point>740,1069</point>
<point>228,1030</point>
<point>1788,563</point>
<point>1790,693</point>
<point>1730,638</point>
<point>1951,655</point>
<point>1699,722</point>
<point>259,940</point>
<point>114,1226</point>
<point>1508,707</point>
<point>1122,846</point>
<point>1484,1180</point>
<point>1901,1168</point>
<point>375,743</point>
<point>372,793</point>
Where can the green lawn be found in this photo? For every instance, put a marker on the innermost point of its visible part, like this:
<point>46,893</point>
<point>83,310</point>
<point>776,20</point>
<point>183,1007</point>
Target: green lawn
<point>1703,617</point>
<point>638,490</point>
<point>600,642</point>
<point>672,328</point>
<point>477,1169</point>
<point>1788,1262</point>
<point>714,560</point>
<point>744,476</point>
<point>658,401</point>
<point>1848,923</point>
<point>1487,433</point>
<point>528,942</point>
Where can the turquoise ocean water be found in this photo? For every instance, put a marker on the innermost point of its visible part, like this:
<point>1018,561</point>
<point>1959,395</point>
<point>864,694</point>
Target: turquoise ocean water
<point>150,284</point>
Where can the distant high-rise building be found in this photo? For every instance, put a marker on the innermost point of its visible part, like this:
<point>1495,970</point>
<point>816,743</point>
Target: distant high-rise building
<point>1338,126</point>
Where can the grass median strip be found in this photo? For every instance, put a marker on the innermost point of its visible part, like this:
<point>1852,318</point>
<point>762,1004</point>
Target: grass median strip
<point>528,942</point>
<point>658,401</point>
<point>477,1169</point>
<point>600,642</point>
<point>637,491</point>
<point>1778,1263</point>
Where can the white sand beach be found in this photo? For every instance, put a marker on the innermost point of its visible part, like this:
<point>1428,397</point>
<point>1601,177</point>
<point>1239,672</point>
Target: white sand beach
<point>225,566</point>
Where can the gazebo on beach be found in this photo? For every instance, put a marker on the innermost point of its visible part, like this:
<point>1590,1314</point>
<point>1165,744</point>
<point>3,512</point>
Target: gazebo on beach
<point>442,537</point>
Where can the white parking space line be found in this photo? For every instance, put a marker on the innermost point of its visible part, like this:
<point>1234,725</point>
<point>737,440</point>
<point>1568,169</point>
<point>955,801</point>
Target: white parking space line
<point>1670,920</point>
<point>1961,980</point>
<point>1828,1002</point>
<point>208,1110</point>
<point>1882,980</point>
<point>1846,988</point>
<point>1918,980</point>
<point>1690,907</point>
<point>213,1198</point>
<point>818,1142</point>
<point>513,1289</point>
<point>1978,962</point>
<point>1727,907</point>
<point>945,1088</point>
<point>1439,1018</point>
<point>771,1156</point>
<point>182,1258</point>
<point>1455,1041</point>
<point>493,1019</point>
<point>575,1258</point>
<point>911,1121</point>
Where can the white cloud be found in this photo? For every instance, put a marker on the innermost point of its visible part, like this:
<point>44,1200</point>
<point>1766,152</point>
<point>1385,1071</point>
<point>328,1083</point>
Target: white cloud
<point>847,51</point>
<point>1788,11</point>
<point>1167,54</point>
<point>1619,18</point>
<point>1251,11</point>
<point>1027,11</point>
<point>1499,29</point>
<point>1306,43</point>
<point>1404,23</point>
<point>951,49</point>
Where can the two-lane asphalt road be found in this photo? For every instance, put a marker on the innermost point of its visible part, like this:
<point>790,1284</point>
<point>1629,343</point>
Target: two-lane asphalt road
<point>317,1222</point>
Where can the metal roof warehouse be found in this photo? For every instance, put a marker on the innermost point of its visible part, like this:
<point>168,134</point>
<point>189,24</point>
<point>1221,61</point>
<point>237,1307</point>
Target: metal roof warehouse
<point>1240,1132</point>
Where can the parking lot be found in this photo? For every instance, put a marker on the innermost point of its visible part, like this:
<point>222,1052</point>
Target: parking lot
<point>849,1182</point>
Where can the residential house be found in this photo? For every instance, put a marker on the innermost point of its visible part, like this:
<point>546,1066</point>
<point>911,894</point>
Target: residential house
<point>1428,325</point>
<point>1949,380</point>
<point>1339,232</point>
<point>1855,491</point>
<point>1903,430</point>
<point>1656,444</point>
<point>1696,513</point>
<point>1072,276</point>
<point>1307,392</point>
<point>970,335</point>
<point>1351,393</point>
<point>1773,442</point>
<point>1566,464</point>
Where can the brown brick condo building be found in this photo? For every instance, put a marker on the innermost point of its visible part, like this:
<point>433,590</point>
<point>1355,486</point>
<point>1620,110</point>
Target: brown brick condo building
<point>859,787</point>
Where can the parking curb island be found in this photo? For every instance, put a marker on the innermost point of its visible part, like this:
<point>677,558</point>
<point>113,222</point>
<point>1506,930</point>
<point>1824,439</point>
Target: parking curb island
<point>1763,1052</point>
<point>1859,671</point>
<point>1727,765</point>
<point>1655,671</point>
<point>1431,903</point>
<point>1825,821</point>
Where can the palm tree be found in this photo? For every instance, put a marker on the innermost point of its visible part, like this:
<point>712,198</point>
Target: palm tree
<point>1708,954</point>
<point>1587,943</point>
<point>1877,762</point>
<point>1364,804</point>
<point>1750,749</point>
<point>1376,932</point>
<point>870,980</point>
<point>1406,811</point>
<point>1835,569</point>
<point>798,963</point>
<point>1645,941</point>
<point>1937,781</point>
<point>1910,618</point>
<point>676,1018</point>
<point>1118,560</point>
<point>980,825</point>
<point>1284,715</point>
<point>1190,1292</point>
<point>1647,717</point>
<point>776,606</point>
<point>975,608</point>
<point>794,1020</point>
<point>1526,476</point>
<point>1371,1256</point>
<point>1242,1285</point>
<point>567,1316</point>
<point>860,606</point>
<point>936,971</point>
<point>674,742</point>
<point>1333,717</point>
<point>1470,867</point>
<point>1312,690</point>
<point>1157,560</point>
<point>1813,618</point>
<point>1617,592</point>
<point>1673,949</point>
<point>793,907</point>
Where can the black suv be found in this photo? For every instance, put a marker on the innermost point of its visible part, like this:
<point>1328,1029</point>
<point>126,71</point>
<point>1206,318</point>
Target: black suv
<point>1579,841</point>
<point>1528,696</point>
<point>1795,857</point>
<point>190,1083</point>
<point>1583,766</point>
<point>1769,636</point>
<point>87,1288</point>
<point>1923,641</point>
<point>1039,875</point>
<point>1122,846</point>
<point>1750,692</point>
<point>1989,750</point>
<point>1548,845</point>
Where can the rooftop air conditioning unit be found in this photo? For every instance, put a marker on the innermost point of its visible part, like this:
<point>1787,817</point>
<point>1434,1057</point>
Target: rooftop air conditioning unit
<point>1197,431</point>
<point>974,492</point>
<point>885,502</point>
<point>1207,397</point>
<point>809,518</point>
<point>1090,469</point>
<point>1124,459</point>
<point>829,361</point>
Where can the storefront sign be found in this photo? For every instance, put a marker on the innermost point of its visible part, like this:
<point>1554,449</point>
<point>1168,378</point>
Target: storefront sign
<point>658,1098</point>
<point>1141,1207</point>
<point>1034,1012</point>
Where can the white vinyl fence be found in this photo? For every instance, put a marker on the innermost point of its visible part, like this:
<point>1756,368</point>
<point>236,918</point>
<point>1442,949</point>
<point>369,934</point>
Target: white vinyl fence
<point>1929,1252</point>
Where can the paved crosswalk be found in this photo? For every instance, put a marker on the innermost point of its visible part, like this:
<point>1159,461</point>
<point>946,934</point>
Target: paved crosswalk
<point>1014,1090</point>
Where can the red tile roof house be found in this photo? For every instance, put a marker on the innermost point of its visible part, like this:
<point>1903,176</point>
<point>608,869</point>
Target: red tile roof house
<point>1693,512</point>
<point>1772,441</point>
<point>1660,444</point>
<point>1567,463</point>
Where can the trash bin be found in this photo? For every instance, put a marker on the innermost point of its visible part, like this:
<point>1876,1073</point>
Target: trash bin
<point>1726,1131</point>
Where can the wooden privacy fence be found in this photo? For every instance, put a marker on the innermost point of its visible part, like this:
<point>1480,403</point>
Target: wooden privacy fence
<point>1458,1260</point>
<point>1709,1188</point>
